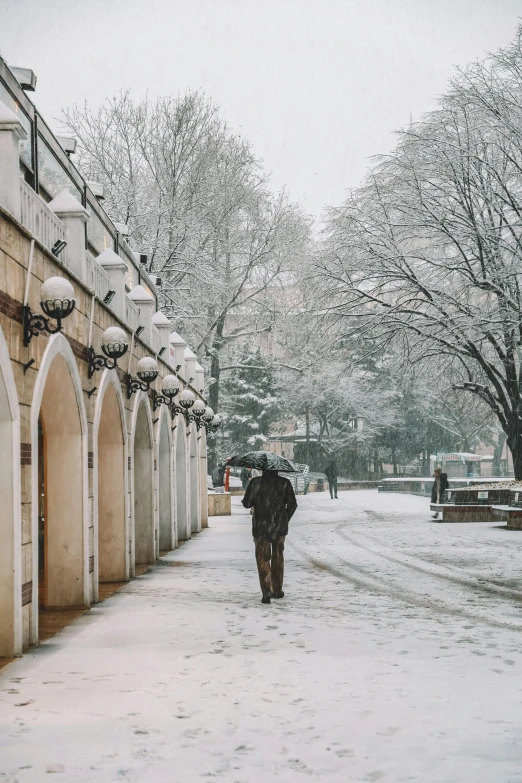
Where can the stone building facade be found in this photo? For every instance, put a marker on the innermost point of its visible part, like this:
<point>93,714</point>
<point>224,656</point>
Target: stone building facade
<point>96,478</point>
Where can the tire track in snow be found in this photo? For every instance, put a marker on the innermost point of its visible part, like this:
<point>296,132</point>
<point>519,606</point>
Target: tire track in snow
<point>394,517</point>
<point>408,561</point>
<point>360,578</point>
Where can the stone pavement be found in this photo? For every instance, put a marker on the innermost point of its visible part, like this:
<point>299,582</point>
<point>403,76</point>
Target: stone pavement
<point>393,657</point>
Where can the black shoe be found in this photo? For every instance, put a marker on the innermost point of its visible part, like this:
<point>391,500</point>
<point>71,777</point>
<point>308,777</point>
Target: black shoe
<point>278,595</point>
<point>336,498</point>
<point>265,599</point>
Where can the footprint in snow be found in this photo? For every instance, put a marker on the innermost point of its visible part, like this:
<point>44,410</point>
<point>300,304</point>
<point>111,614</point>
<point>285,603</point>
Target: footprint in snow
<point>345,753</point>
<point>55,768</point>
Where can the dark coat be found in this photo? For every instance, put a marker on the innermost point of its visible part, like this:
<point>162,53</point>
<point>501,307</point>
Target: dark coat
<point>218,476</point>
<point>273,500</point>
<point>246,475</point>
<point>331,471</point>
<point>444,484</point>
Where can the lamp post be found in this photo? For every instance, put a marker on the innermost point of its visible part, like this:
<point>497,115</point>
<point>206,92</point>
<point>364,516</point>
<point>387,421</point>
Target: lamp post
<point>57,300</point>
<point>169,389</point>
<point>147,373</point>
<point>114,345</point>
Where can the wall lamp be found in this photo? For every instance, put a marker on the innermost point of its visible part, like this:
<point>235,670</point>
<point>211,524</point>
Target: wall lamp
<point>162,350</point>
<point>197,411</point>
<point>109,296</point>
<point>58,246</point>
<point>204,418</point>
<point>147,373</point>
<point>114,345</point>
<point>208,416</point>
<point>213,425</point>
<point>185,401</point>
<point>139,330</point>
<point>169,389</point>
<point>57,300</point>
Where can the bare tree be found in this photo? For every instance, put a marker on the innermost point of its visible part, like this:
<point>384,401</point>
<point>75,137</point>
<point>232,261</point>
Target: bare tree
<point>198,202</point>
<point>430,247</point>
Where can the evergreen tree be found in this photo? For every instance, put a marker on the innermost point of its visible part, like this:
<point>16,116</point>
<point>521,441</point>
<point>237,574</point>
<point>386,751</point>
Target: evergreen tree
<point>251,402</point>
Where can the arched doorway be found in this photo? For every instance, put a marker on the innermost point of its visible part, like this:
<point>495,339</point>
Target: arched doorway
<point>10,512</point>
<point>59,438</point>
<point>110,524</point>
<point>195,519</point>
<point>144,539</point>
<point>181,481</point>
<point>167,538</point>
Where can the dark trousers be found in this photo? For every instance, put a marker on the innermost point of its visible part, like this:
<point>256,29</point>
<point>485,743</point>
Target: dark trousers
<point>270,564</point>
<point>332,483</point>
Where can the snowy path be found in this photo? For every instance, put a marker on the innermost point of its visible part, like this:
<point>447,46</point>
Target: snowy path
<point>394,657</point>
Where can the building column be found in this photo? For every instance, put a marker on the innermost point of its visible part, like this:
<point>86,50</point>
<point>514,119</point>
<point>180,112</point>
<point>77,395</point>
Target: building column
<point>117,270</point>
<point>177,349</point>
<point>145,303</point>
<point>74,216</point>
<point>11,132</point>
<point>163,325</point>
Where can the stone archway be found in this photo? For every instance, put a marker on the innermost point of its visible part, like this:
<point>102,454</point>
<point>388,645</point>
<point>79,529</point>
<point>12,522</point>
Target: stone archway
<point>111,539</point>
<point>167,532</point>
<point>143,485</point>
<point>182,520</point>
<point>10,512</point>
<point>60,516</point>
<point>193,471</point>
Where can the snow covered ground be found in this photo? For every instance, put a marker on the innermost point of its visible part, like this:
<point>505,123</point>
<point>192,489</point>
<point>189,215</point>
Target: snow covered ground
<point>395,656</point>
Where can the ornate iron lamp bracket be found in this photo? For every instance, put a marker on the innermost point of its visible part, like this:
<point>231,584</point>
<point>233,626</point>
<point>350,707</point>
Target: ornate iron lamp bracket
<point>98,362</point>
<point>135,385</point>
<point>36,324</point>
<point>175,410</point>
<point>158,399</point>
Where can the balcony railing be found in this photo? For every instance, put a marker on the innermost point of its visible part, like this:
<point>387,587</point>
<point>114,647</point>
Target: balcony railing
<point>46,172</point>
<point>132,314</point>
<point>156,341</point>
<point>55,172</point>
<point>39,219</point>
<point>97,277</point>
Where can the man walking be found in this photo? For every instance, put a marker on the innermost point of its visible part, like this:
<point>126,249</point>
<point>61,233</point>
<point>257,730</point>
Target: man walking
<point>331,475</point>
<point>439,486</point>
<point>273,502</point>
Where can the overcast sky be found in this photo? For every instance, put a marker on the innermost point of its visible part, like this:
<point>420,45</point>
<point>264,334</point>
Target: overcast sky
<point>317,86</point>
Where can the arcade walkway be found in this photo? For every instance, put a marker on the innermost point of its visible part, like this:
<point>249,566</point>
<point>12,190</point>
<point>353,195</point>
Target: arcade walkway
<point>394,657</point>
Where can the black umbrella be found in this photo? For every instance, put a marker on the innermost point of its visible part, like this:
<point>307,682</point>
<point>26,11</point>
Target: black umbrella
<point>262,460</point>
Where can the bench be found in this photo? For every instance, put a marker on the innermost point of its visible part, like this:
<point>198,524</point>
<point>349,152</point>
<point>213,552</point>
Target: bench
<point>466,513</point>
<point>510,514</point>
